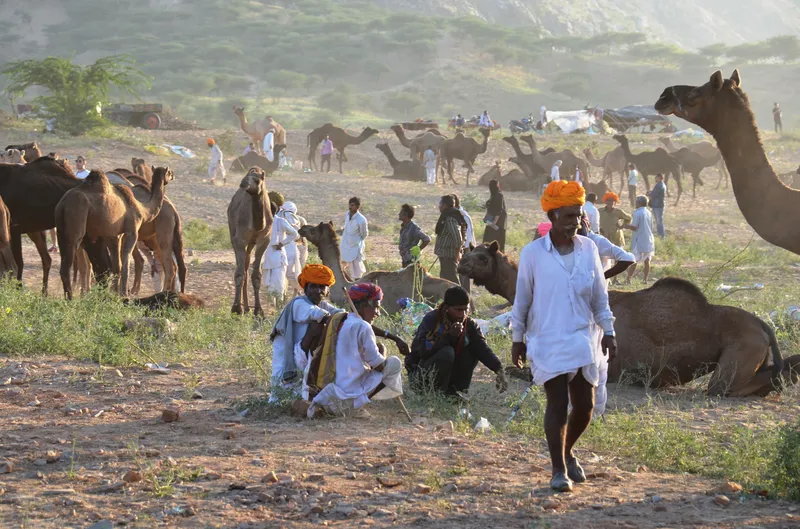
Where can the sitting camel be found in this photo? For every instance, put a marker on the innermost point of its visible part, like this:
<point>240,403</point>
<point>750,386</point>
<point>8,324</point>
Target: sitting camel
<point>411,170</point>
<point>514,180</point>
<point>249,224</point>
<point>396,285</point>
<point>462,148</point>
<point>253,159</point>
<point>341,140</point>
<point>669,334</point>
<point>97,209</point>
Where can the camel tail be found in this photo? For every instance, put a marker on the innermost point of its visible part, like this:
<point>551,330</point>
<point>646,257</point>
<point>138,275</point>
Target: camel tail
<point>777,360</point>
<point>177,249</point>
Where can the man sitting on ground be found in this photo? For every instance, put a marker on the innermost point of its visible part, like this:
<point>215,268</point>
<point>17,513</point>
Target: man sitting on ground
<point>448,344</point>
<point>350,368</point>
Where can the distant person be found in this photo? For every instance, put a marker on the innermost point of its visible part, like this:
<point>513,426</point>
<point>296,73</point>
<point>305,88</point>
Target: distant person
<point>578,176</point>
<point>354,235</point>
<point>411,236</point>
<point>429,159</point>
<point>610,227</point>
<point>485,120</point>
<point>633,180</point>
<point>555,171</point>
<point>496,216</point>
<point>326,153</point>
<point>269,145</point>
<point>592,212</point>
<point>643,245</point>
<point>276,262</point>
<point>657,195</point>
<point>449,238</point>
<point>80,168</point>
<point>251,147</point>
<point>543,115</point>
<point>776,117</point>
<point>469,238</point>
<point>215,165</point>
<point>460,121</point>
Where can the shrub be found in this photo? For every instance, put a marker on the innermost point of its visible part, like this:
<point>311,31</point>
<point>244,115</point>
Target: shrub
<point>786,466</point>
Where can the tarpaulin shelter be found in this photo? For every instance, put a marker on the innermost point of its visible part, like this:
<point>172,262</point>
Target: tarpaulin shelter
<point>625,118</point>
<point>568,122</point>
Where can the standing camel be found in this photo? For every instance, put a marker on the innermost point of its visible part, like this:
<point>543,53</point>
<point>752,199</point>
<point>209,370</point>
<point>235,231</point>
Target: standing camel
<point>651,163</point>
<point>612,162</point>
<point>249,224</point>
<point>693,163</point>
<point>723,109</point>
<point>7,262</point>
<point>526,161</point>
<point>546,159</point>
<point>462,148</point>
<point>421,143</point>
<point>97,209</point>
<point>341,140</point>
<point>707,150</point>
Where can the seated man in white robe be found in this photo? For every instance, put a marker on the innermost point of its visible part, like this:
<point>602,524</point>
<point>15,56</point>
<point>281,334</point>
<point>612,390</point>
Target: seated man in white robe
<point>350,369</point>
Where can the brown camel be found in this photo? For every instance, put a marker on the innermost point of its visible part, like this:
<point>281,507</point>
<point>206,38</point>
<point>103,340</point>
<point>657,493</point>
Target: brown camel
<point>12,156</point>
<point>258,129</point>
<point>249,224</point>
<point>7,262</point>
<point>341,140</point>
<point>723,109</point>
<point>707,150</point>
<point>395,285</point>
<point>669,334</point>
<point>411,170</point>
<point>97,209</point>
<point>513,180</point>
<point>465,149</point>
<point>30,150</point>
<point>525,161</point>
<point>613,161</point>
<point>420,143</point>
<point>651,163</point>
<point>253,159</point>
<point>546,161</point>
<point>693,163</point>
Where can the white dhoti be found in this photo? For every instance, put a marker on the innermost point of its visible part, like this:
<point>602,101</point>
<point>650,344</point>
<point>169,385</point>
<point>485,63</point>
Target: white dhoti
<point>293,267</point>
<point>356,268</point>
<point>275,280</point>
<point>591,373</point>
<point>430,173</point>
<point>216,171</point>
<point>335,399</point>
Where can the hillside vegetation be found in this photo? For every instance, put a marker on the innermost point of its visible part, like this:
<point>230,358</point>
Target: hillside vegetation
<point>355,62</point>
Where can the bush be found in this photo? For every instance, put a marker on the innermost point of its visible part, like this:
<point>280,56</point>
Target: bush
<point>200,236</point>
<point>340,100</point>
<point>405,103</point>
<point>786,466</point>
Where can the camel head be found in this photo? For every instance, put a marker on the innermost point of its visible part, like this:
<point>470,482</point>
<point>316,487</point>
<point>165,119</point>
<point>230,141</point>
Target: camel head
<point>316,235</point>
<point>239,111</point>
<point>398,129</point>
<point>384,148</point>
<point>479,263</point>
<point>31,150</point>
<point>620,138</point>
<point>164,173</point>
<point>12,156</point>
<point>368,131</point>
<point>703,105</point>
<point>253,181</point>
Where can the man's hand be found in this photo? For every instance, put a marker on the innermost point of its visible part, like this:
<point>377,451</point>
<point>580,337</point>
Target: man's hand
<point>379,368</point>
<point>381,348</point>
<point>278,247</point>
<point>609,345</point>
<point>402,347</point>
<point>501,382</point>
<point>519,353</point>
<point>456,329</point>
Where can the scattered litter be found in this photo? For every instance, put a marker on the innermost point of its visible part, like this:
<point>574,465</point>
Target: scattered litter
<point>500,323</point>
<point>730,288</point>
<point>180,150</point>
<point>483,425</point>
<point>793,312</point>
<point>158,150</point>
<point>160,369</point>
<point>689,133</point>
<point>465,413</point>
<point>411,314</point>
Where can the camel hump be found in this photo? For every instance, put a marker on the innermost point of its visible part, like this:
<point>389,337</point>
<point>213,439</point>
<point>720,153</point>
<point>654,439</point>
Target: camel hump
<point>676,283</point>
<point>97,180</point>
<point>126,193</point>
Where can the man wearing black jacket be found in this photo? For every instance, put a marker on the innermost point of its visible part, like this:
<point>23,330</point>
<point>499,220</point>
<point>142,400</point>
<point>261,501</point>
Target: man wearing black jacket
<point>450,345</point>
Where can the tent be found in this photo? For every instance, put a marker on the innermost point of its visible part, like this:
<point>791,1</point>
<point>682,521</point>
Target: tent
<point>570,121</point>
<point>625,118</point>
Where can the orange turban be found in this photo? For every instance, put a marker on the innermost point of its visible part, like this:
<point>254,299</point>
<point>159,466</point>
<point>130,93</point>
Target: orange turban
<point>316,274</point>
<point>561,193</point>
<point>210,141</point>
<point>610,195</point>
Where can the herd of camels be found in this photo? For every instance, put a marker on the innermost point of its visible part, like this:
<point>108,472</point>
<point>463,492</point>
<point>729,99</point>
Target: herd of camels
<point>670,329</point>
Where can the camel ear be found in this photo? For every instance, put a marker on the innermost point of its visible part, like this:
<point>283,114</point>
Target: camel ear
<point>494,248</point>
<point>153,168</point>
<point>717,81</point>
<point>330,222</point>
<point>736,77</point>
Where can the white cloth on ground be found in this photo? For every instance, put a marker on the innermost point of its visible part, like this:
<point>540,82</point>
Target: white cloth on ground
<point>355,232</point>
<point>558,321</point>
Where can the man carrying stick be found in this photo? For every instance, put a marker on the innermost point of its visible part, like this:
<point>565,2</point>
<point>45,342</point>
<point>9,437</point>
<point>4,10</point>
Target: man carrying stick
<point>561,296</point>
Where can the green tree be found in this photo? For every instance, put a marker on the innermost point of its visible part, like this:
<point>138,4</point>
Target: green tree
<point>713,52</point>
<point>287,80</point>
<point>784,47</point>
<point>340,100</point>
<point>404,102</point>
<point>573,84</point>
<point>73,92</point>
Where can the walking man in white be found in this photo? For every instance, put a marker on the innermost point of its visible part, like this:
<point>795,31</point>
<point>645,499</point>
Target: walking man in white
<point>216,165</point>
<point>269,145</point>
<point>354,234</point>
<point>643,245</point>
<point>288,211</point>
<point>561,296</point>
<point>555,171</point>
<point>275,260</point>
<point>429,159</point>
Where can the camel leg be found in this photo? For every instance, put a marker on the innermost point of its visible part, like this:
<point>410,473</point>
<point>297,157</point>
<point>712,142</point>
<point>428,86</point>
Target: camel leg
<point>246,297</point>
<point>16,251</point>
<point>177,250</point>
<point>741,370</point>
<point>469,172</point>
<point>67,248</point>
<point>138,268</point>
<point>450,168</point>
<point>238,278</point>
<point>39,239</point>
<point>164,254</point>
<point>680,187</point>
<point>84,268</point>
<point>341,160</point>
<point>646,182</point>
<point>261,247</point>
<point>127,246</point>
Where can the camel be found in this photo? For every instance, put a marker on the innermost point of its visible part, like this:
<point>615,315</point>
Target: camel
<point>546,161</point>
<point>693,163</point>
<point>411,170</point>
<point>707,150</point>
<point>253,159</point>
<point>528,138</point>
<point>12,156</point>
<point>462,148</point>
<point>30,150</point>
<point>526,161</point>
<point>396,285</point>
<point>670,334</point>
<point>723,109</point>
<point>7,262</point>
<point>613,161</point>
<point>249,224</point>
<point>97,209</point>
<point>258,129</point>
<point>513,180</point>
<point>420,143</point>
<point>651,163</point>
<point>341,140</point>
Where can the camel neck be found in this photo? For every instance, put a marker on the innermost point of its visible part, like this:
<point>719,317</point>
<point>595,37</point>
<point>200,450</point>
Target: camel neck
<point>259,208</point>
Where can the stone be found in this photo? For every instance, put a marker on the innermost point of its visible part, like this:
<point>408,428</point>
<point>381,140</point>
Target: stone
<point>196,395</point>
<point>40,462</point>
<point>382,513</point>
<point>389,482</point>
<point>722,500</point>
<point>107,489</point>
<point>660,507</point>
<point>446,426</point>
<point>6,467</point>
<point>103,524</point>
<point>550,504</point>
<point>240,451</point>
<point>270,478</point>
<point>597,506</point>
<point>35,402</point>
<point>315,478</point>
<point>132,476</point>
<point>170,415</point>
<point>345,509</point>
<point>351,475</point>
<point>422,489</point>
<point>481,488</point>
<point>731,487</point>
<point>450,488</point>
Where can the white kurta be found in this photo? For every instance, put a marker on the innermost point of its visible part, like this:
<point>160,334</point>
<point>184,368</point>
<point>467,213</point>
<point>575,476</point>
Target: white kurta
<point>275,261</point>
<point>642,242</point>
<point>470,238</point>
<point>269,145</point>
<point>594,216</point>
<point>352,244</point>
<point>556,309</point>
<point>356,356</point>
<point>216,167</point>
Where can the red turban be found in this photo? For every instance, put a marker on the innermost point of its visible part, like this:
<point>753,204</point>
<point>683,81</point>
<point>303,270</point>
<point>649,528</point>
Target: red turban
<point>561,193</point>
<point>610,195</point>
<point>365,292</point>
<point>317,274</point>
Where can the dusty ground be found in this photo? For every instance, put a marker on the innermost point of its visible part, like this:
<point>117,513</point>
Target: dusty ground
<point>73,431</point>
